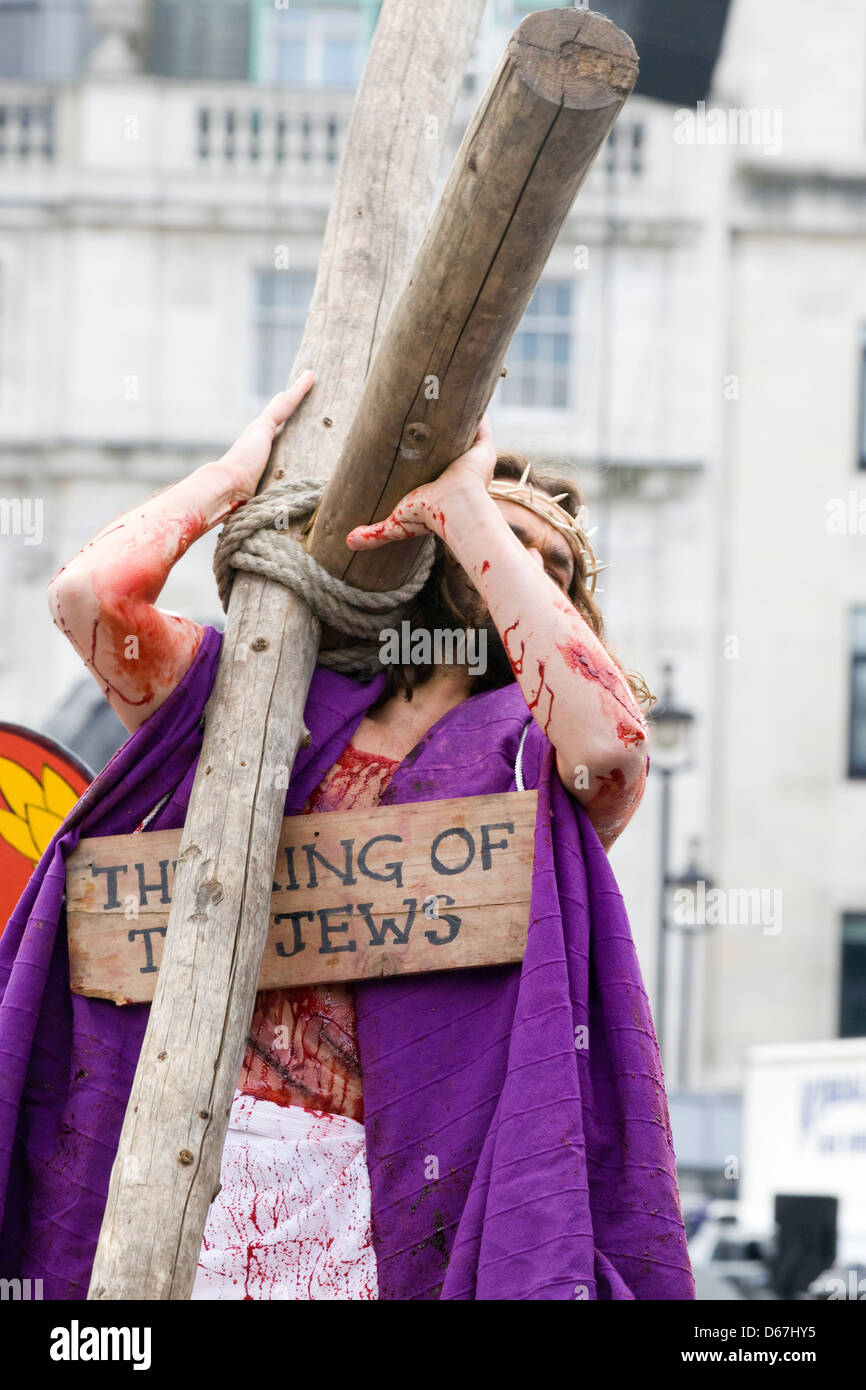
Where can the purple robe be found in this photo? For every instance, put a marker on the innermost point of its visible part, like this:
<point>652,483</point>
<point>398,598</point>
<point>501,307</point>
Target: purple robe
<point>516,1121</point>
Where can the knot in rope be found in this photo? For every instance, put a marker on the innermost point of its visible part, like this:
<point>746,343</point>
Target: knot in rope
<point>254,538</point>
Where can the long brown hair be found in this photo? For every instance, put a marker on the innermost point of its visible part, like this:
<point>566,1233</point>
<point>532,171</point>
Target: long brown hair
<point>435,606</point>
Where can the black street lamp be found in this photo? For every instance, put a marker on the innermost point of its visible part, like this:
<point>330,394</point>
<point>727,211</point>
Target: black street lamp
<point>671,739</point>
<point>689,882</point>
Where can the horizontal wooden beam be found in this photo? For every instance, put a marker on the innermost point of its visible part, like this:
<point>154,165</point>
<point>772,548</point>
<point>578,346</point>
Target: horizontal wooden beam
<point>559,88</point>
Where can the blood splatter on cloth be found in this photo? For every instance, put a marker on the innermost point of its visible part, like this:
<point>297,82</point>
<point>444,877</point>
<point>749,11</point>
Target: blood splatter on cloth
<point>292,1217</point>
<point>357,779</point>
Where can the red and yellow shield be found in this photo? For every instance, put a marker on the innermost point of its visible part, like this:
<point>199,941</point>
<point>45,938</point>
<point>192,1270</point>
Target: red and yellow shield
<point>40,782</point>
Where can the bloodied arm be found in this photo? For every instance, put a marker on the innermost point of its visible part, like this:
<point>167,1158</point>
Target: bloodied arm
<point>575,692</point>
<point>103,599</point>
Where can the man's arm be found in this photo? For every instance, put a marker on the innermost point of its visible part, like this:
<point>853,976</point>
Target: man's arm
<point>576,693</point>
<point>573,689</point>
<point>103,600</point>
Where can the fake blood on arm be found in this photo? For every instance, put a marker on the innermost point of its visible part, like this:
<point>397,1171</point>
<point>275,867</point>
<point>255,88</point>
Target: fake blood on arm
<point>103,599</point>
<point>578,658</point>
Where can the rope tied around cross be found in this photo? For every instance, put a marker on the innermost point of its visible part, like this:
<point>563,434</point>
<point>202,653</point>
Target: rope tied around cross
<point>257,538</point>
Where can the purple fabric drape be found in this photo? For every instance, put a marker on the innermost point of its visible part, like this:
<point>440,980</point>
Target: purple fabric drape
<point>516,1120</point>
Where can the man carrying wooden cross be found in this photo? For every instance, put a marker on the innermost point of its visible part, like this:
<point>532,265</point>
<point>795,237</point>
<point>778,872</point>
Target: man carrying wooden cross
<point>511,1120</point>
<point>515,1140</point>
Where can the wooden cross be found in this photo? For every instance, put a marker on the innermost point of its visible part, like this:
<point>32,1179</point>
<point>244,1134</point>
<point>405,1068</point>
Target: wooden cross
<point>407,353</point>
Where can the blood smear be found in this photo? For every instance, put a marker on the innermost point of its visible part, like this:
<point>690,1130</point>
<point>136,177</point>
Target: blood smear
<point>303,1043</point>
<point>292,1217</point>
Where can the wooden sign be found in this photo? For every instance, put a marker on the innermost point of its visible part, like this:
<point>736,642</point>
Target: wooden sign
<point>400,890</point>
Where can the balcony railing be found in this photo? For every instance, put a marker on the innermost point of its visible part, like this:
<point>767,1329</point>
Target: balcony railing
<point>299,134</point>
<point>27,129</point>
<point>180,128</point>
<point>90,138</point>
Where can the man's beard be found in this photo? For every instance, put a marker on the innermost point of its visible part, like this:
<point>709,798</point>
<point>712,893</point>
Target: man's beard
<point>499,670</point>
<point>469,607</point>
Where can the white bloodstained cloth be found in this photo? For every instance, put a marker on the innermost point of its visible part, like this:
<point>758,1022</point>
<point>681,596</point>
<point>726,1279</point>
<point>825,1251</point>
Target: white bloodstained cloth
<point>292,1217</point>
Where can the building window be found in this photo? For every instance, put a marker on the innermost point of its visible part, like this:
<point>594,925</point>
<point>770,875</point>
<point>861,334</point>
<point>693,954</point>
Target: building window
<point>852,1002</point>
<point>861,442</point>
<point>47,40</point>
<point>623,150</point>
<point>306,47</point>
<point>282,301</point>
<point>857,730</point>
<point>203,39</point>
<point>539,360</point>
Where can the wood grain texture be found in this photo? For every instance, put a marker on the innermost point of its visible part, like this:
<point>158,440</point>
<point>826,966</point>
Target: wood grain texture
<point>372,429</point>
<point>400,890</point>
<point>561,83</point>
<point>168,1161</point>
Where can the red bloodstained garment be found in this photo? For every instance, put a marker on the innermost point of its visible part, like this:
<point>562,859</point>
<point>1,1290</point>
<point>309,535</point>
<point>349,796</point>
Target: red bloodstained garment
<point>303,1043</point>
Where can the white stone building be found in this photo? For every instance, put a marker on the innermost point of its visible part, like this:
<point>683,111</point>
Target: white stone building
<point>788,796</point>
<point>695,353</point>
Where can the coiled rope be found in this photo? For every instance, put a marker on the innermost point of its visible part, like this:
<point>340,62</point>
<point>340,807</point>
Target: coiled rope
<point>254,538</point>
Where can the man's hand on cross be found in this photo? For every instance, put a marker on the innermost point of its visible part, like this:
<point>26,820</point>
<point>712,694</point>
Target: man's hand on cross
<point>423,509</point>
<point>522,570</point>
<point>104,599</point>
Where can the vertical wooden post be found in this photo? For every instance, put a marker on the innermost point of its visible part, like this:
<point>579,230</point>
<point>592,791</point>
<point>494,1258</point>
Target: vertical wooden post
<point>167,1167</point>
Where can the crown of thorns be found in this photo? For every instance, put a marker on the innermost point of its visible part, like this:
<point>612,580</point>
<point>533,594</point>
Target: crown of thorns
<point>548,508</point>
